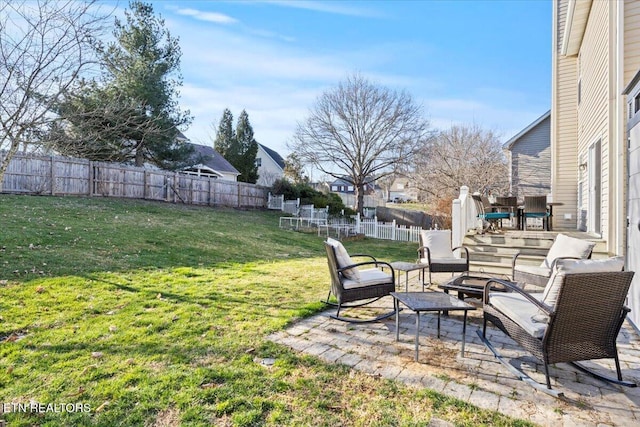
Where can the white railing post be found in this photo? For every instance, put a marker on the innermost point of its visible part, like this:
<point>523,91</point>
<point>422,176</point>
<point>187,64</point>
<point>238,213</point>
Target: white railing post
<point>393,230</point>
<point>457,235</point>
<point>375,227</point>
<point>459,217</point>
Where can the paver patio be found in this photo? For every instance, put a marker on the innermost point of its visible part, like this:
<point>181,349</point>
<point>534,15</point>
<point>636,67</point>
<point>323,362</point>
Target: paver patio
<point>478,378</point>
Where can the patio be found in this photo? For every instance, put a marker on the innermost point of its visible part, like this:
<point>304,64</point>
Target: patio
<point>478,378</point>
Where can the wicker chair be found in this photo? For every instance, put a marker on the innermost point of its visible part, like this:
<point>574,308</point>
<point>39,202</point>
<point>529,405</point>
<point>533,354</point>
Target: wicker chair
<point>536,207</point>
<point>435,251</point>
<point>350,283</point>
<point>563,247</point>
<point>580,323</point>
<point>508,204</point>
<point>490,219</point>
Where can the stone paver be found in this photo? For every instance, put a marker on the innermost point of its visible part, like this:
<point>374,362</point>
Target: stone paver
<point>478,378</point>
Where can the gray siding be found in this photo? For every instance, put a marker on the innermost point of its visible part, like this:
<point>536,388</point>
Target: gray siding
<point>531,162</point>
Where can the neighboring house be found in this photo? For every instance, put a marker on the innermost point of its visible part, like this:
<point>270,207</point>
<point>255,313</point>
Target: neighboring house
<point>596,54</point>
<point>345,186</point>
<point>529,157</point>
<point>270,166</point>
<point>401,190</point>
<point>211,164</point>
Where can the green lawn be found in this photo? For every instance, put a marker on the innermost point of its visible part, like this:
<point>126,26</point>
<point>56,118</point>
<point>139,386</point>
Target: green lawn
<point>153,314</point>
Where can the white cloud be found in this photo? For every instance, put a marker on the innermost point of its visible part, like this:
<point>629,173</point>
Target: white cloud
<point>333,7</point>
<point>218,18</point>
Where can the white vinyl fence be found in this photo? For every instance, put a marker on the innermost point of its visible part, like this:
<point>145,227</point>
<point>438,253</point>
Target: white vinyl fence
<point>387,230</point>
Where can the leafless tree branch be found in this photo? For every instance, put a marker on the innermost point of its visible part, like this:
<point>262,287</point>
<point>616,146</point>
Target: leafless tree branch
<point>45,47</point>
<point>360,130</point>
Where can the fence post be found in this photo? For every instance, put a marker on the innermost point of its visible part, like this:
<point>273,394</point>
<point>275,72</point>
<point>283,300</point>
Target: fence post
<point>357,224</point>
<point>393,230</point>
<point>457,234</point>
<point>90,178</point>
<point>145,183</point>
<point>53,175</point>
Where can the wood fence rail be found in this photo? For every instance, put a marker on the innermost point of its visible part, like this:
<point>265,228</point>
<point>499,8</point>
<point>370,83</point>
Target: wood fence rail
<point>57,175</point>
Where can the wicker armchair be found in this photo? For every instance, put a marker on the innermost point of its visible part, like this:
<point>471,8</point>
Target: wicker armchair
<point>352,283</point>
<point>435,251</point>
<point>578,320</point>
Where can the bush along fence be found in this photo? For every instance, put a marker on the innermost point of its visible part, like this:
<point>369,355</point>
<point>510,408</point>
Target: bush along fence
<point>57,175</point>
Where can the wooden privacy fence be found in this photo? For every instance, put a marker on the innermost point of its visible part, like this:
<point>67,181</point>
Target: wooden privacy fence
<point>56,175</point>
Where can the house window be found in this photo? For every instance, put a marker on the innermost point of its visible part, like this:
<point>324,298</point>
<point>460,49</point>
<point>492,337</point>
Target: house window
<point>350,188</point>
<point>258,161</point>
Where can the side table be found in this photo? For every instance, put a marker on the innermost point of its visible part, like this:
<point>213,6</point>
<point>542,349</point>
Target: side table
<point>406,267</point>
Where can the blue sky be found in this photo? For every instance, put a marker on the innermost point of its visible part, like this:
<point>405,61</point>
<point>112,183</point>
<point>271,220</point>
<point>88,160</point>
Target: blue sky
<point>483,62</point>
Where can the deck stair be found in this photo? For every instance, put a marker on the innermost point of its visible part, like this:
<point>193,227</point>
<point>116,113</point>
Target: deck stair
<point>493,252</point>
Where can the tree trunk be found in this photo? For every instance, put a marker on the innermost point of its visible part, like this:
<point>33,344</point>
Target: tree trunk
<point>140,155</point>
<point>359,207</point>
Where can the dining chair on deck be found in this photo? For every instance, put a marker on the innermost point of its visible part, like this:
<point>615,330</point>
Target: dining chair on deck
<point>536,207</point>
<point>486,213</point>
<point>508,204</point>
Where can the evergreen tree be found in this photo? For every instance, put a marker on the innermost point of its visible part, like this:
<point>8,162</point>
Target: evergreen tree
<point>225,135</point>
<point>238,146</point>
<point>138,87</point>
<point>246,150</point>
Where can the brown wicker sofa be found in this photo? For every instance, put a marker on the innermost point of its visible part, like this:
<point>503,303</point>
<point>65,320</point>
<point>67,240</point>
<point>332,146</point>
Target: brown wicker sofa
<point>578,320</point>
<point>563,247</point>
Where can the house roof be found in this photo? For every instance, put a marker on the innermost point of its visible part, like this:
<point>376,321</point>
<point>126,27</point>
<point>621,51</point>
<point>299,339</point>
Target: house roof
<point>274,155</point>
<point>212,159</point>
<point>507,145</point>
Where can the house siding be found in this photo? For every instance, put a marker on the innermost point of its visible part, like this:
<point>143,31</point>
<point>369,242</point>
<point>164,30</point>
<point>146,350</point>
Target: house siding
<point>607,59</point>
<point>531,162</point>
<point>564,129</point>
<point>268,170</point>
<point>594,114</point>
<point>631,39</point>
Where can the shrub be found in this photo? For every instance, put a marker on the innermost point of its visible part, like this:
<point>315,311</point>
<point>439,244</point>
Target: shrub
<point>309,196</point>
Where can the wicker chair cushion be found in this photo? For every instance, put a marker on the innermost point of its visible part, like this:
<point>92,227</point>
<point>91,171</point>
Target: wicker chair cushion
<point>568,266</point>
<point>517,308</point>
<point>450,261</point>
<point>343,258</point>
<point>438,242</point>
<point>567,247</point>
<point>368,277</point>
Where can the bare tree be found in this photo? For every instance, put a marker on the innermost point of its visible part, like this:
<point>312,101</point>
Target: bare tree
<point>44,47</point>
<point>462,155</point>
<point>360,130</point>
